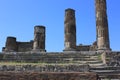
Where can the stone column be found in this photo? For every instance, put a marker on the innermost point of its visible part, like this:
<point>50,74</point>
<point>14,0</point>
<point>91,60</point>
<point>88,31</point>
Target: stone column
<point>39,39</point>
<point>102,26</point>
<point>11,44</point>
<point>70,30</point>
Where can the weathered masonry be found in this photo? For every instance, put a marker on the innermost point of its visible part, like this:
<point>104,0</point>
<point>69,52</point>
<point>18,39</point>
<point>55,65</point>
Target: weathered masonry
<point>30,61</point>
<point>15,46</point>
<point>70,30</point>
<point>39,38</point>
<point>37,45</point>
<point>101,43</point>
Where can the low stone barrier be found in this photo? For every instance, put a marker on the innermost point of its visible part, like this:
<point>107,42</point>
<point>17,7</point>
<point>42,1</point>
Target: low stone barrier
<point>45,68</point>
<point>47,76</point>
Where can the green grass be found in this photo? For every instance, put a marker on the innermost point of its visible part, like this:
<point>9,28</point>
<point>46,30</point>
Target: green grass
<point>40,64</point>
<point>99,57</point>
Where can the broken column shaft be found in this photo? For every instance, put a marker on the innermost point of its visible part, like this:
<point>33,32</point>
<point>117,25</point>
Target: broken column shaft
<point>39,39</point>
<point>11,44</point>
<point>102,25</point>
<point>70,30</point>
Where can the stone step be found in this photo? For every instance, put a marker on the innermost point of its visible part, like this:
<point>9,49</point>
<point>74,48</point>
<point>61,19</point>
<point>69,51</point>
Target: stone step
<point>88,62</point>
<point>49,58</point>
<point>97,65</point>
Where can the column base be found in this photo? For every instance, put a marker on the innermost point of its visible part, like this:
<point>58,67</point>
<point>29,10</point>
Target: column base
<point>103,49</point>
<point>38,50</point>
<point>69,49</point>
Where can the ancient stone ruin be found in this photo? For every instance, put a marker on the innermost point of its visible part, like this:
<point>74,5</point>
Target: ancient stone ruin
<point>30,61</point>
<point>37,45</point>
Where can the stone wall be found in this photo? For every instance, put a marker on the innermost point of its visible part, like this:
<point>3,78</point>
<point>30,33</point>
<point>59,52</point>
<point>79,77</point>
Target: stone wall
<point>24,46</point>
<point>47,76</point>
<point>83,47</point>
<point>113,59</point>
<point>45,68</point>
<point>92,47</point>
<point>14,46</point>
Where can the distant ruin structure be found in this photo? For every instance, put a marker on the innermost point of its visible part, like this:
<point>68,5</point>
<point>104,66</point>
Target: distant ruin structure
<point>12,45</point>
<point>103,42</point>
<point>30,61</point>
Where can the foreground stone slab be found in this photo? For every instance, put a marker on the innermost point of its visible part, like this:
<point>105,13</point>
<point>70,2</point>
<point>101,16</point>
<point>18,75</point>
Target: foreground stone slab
<point>47,76</point>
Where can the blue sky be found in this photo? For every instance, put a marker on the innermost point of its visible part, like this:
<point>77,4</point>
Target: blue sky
<point>18,18</point>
